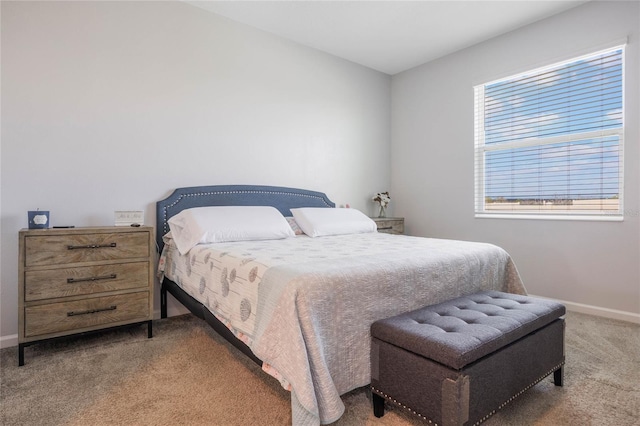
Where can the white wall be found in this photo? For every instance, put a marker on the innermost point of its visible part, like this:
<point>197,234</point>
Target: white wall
<point>585,263</point>
<point>111,105</point>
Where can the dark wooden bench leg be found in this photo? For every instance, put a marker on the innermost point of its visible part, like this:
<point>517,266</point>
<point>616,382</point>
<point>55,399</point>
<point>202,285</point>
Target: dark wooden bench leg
<point>378,405</point>
<point>558,376</point>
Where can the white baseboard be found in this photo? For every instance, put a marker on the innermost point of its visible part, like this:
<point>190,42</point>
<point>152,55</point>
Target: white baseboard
<point>597,311</point>
<point>8,341</point>
<point>12,340</point>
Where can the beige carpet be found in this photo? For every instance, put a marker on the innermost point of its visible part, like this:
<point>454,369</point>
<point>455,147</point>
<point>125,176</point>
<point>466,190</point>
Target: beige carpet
<point>187,375</point>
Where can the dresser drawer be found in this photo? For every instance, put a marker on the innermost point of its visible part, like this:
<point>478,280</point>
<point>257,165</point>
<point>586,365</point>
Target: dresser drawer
<point>45,250</point>
<point>390,226</point>
<point>53,283</point>
<point>86,313</point>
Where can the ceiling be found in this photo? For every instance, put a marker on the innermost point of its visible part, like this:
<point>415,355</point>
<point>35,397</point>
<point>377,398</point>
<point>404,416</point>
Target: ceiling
<point>388,36</point>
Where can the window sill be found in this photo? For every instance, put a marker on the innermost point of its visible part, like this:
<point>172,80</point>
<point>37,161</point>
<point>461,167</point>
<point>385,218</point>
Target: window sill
<point>603,218</point>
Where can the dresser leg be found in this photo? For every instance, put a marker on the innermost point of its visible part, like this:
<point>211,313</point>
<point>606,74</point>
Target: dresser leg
<point>20,354</point>
<point>149,329</point>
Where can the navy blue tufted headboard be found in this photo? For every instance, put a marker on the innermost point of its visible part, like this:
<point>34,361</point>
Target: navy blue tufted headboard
<point>279,197</point>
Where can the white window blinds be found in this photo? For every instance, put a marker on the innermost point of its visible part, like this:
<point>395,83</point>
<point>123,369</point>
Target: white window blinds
<point>549,142</point>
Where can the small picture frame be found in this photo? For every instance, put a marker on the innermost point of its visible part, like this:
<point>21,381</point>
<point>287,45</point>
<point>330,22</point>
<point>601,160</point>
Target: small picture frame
<point>129,217</point>
<point>38,219</point>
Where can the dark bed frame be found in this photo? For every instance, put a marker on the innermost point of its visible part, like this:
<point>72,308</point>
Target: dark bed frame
<point>282,198</point>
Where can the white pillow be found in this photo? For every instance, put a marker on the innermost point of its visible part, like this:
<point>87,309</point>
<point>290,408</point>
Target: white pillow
<point>320,221</point>
<point>227,223</point>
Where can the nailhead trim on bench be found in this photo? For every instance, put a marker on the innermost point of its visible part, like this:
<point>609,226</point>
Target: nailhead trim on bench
<point>402,405</point>
<point>390,398</point>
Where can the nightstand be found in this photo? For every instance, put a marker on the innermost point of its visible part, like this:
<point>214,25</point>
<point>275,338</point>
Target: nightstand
<point>390,225</point>
<point>83,279</point>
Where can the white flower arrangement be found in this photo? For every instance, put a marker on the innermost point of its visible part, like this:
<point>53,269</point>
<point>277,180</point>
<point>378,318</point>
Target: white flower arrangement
<point>383,198</point>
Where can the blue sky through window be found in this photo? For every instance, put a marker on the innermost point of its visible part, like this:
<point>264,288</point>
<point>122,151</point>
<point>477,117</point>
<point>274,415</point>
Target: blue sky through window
<point>546,122</point>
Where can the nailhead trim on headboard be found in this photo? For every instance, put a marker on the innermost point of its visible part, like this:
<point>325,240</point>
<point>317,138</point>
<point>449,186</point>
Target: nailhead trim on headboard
<point>200,194</point>
<point>180,194</point>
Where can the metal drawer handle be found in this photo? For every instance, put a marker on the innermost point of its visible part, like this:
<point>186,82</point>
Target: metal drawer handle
<point>385,227</point>
<point>91,311</point>
<point>91,246</point>
<point>104,277</point>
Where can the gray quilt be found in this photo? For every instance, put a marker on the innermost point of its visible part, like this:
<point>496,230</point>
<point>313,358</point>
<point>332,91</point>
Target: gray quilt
<point>313,318</point>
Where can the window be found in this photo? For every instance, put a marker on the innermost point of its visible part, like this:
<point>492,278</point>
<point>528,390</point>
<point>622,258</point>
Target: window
<point>549,143</point>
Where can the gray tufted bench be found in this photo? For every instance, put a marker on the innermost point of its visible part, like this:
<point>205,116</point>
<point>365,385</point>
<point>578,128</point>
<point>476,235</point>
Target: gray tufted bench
<point>457,362</point>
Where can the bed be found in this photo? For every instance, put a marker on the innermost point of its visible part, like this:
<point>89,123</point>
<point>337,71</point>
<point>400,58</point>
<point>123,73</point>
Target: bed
<point>304,305</point>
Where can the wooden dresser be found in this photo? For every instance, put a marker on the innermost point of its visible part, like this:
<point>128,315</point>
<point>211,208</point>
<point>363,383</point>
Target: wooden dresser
<point>390,225</point>
<point>83,279</point>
